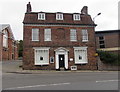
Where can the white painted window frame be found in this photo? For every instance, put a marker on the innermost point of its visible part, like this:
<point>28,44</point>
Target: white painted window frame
<point>37,34</point>
<point>59,16</point>
<point>75,55</point>
<point>73,34</point>
<point>5,38</point>
<point>76,17</point>
<point>47,34</point>
<point>41,16</point>
<point>84,35</point>
<point>46,56</point>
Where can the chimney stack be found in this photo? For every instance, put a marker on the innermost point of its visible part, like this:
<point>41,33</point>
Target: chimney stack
<point>84,10</point>
<point>29,8</point>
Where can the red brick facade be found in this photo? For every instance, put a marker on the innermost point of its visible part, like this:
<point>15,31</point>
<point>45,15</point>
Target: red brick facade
<point>110,40</point>
<point>9,52</point>
<point>60,41</point>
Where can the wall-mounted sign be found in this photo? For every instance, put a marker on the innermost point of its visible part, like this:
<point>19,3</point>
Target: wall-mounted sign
<point>51,59</point>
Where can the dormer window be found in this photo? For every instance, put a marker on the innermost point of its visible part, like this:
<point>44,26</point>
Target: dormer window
<point>76,16</point>
<point>59,16</point>
<point>41,16</point>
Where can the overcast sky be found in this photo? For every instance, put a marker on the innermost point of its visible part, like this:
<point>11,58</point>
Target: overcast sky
<point>12,12</point>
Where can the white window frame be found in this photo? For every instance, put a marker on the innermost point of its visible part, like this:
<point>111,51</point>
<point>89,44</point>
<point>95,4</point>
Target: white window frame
<point>5,38</point>
<point>84,35</point>
<point>36,34</point>
<point>59,16</point>
<point>83,52</point>
<point>73,35</point>
<point>47,34</point>
<point>42,52</point>
<point>41,16</point>
<point>76,16</point>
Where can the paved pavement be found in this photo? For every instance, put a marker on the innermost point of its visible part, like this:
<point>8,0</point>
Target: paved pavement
<point>14,67</point>
<point>11,66</point>
<point>14,78</point>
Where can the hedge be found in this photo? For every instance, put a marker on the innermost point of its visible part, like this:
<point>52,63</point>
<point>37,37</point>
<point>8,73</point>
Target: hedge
<point>109,58</point>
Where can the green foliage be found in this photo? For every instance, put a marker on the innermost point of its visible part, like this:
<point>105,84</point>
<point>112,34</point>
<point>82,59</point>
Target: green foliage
<point>21,48</point>
<point>109,57</point>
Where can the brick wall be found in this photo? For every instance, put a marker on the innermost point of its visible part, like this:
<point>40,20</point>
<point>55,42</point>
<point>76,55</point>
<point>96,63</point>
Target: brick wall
<point>111,39</point>
<point>60,38</point>
<point>10,52</point>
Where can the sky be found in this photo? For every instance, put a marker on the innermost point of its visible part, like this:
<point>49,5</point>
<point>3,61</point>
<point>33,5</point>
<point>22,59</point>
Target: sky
<point>12,12</point>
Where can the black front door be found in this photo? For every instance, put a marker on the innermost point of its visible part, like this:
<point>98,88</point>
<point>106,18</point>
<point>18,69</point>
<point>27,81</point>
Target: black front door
<point>61,61</point>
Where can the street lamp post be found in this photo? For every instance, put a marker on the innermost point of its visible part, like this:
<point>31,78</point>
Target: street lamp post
<point>95,40</point>
<point>96,16</point>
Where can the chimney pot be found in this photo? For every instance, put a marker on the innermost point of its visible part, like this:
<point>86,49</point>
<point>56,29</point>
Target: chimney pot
<point>84,10</point>
<point>29,8</point>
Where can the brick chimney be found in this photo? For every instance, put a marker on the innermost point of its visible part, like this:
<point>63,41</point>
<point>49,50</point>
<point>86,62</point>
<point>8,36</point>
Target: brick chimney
<point>84,10</point>
<point>29,8</point>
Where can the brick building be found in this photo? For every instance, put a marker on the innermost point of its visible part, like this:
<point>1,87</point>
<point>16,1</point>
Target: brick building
<point>58,40</point>
<point>108,40</point>
<point>8,45</point>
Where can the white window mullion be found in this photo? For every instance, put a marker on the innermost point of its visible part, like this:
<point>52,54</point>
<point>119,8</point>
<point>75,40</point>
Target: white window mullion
<point>35,34</point>
<point>5,39</point>
<point>59,16</point>
<point>80,52</point>
<point>41,56</point>
<point>47,34</point>
<point>41,16</point>
<point>76,16</point>
<point>73,36</point>
<point>84,35</point>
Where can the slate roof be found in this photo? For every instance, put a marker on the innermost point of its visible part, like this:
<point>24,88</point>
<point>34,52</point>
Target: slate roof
<point>107,31</point>
<point>32,18</point>
<point>4,26</point>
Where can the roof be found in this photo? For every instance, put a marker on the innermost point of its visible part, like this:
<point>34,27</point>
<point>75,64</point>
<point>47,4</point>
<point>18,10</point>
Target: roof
<point>107,31</point>
<point>32,18</point>
<point>4,26</point>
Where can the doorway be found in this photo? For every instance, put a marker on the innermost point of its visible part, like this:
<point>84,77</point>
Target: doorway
<point>61,61</point>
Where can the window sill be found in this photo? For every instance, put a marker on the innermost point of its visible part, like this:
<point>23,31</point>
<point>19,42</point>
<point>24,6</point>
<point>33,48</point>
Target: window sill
<point>43,64</point>
<point>82,63</point>
<point>41,19</point>
<point>59,19</point>
<point>85,41</point>
<point>35,40</point>
<point>73,40</point>
<point>48,40</point>
<point>76,20</point>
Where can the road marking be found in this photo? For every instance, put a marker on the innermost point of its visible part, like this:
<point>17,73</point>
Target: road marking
<point>106,81</point>
<point>37,86</point>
